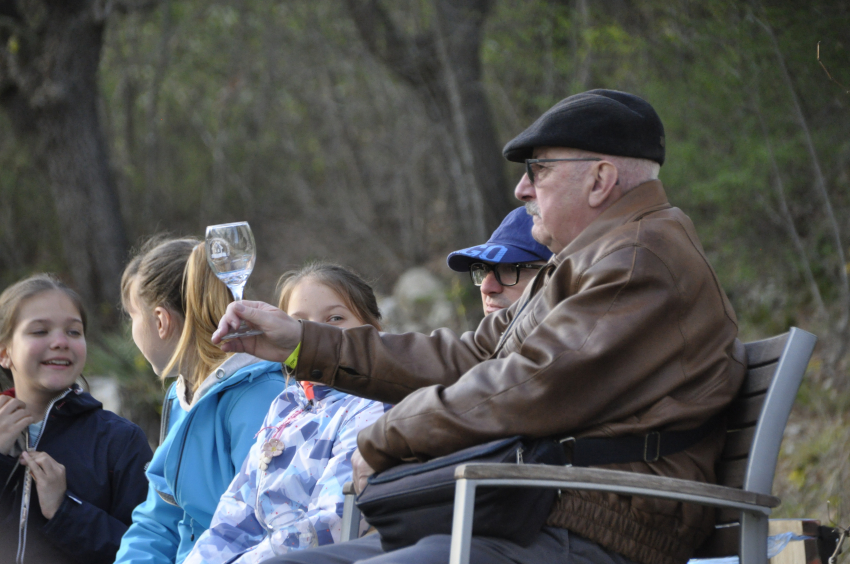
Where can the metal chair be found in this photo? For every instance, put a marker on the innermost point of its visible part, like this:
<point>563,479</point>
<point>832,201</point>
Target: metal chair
<point>755,425</point>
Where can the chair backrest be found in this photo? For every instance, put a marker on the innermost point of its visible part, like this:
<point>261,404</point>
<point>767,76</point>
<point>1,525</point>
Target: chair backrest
<point>755,425</point>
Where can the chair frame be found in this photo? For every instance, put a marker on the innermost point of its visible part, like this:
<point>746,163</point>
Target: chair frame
<point>790,351</point>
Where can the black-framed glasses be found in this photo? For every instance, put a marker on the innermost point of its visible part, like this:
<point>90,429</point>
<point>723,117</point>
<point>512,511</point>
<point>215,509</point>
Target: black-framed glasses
<point>507,274</point>
<point>532,166</point>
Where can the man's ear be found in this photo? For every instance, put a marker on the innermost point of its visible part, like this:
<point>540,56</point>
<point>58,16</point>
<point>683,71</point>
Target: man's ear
<point>165,322</point>
<point>606,186</point>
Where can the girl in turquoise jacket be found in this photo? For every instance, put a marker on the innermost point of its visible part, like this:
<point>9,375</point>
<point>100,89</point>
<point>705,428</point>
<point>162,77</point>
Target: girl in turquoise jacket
<point>210,414</point>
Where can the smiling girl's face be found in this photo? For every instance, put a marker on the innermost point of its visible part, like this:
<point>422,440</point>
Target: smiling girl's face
<point>311,300</point>
<point>47,351</point>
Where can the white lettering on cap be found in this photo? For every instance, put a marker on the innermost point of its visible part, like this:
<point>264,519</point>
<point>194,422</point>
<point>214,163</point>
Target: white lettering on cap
<point>497,252</point>
<point>474,251</point>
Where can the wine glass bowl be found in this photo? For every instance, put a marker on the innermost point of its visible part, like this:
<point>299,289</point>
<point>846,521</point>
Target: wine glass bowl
<point>231,253</point>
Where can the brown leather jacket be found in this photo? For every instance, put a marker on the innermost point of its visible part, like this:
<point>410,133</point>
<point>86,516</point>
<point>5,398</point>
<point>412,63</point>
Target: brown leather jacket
<point>626,331</point>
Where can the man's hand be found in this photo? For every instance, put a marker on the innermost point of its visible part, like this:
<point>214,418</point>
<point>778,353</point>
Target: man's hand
<point>49,478</point>
<point>281,333</point>
<point>14,417</point>
<point>360,471</point>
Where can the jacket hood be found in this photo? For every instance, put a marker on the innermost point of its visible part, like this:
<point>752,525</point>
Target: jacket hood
<point>218,377</point>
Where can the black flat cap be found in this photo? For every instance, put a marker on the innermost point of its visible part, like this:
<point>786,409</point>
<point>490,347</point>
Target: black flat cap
<point>602,121</point>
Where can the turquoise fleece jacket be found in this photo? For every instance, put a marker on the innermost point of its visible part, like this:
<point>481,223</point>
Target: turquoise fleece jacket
<point>201,452</point>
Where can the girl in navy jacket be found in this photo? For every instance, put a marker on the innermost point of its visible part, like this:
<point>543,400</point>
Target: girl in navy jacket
<point>70,472</point>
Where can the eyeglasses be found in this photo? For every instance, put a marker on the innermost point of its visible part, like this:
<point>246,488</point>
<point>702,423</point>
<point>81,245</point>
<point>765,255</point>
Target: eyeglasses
<point>506,274</point>
<point>533,165</point>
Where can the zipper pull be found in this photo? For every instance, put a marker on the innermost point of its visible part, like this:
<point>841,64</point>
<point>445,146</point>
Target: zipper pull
<point>519,452</point>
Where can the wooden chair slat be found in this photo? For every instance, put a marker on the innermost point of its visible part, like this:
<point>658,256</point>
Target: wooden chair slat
<point>758,379</point>
<point>738,444</point>
<point>731,474</point>
<point>723,542</point>
<point>744,412</point>
<point>571,477</point>
<point>726,516</point>
<point>768,350</point>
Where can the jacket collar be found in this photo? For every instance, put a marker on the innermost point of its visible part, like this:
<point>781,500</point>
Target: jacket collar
<point>228,368</point>
<point>78,401</point>
<point>322,395</point>
<point>634,204</point>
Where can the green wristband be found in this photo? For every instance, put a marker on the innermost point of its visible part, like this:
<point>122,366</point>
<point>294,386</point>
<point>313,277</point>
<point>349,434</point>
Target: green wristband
<point>292,360</point>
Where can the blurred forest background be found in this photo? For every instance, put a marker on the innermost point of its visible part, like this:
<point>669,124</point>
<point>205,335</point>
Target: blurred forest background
<point>369,132</point>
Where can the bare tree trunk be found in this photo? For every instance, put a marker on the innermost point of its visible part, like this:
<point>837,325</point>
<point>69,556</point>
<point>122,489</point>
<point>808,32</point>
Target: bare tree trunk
<point>48,85</point>
<point>787,222</point>
<point>820,182</point>
<point>151,154</point>
<point>474,208</point>
<point>584,64</point>
<point>444,67</point>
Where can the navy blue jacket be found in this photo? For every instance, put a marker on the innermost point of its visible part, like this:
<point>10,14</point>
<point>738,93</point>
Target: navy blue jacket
<point>104,457</point>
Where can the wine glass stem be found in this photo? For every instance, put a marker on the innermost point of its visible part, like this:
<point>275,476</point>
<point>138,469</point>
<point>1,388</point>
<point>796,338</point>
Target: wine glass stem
<point>237,292</point>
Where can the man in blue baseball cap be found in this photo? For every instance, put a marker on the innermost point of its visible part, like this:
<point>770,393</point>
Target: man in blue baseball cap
<point>504,265</point>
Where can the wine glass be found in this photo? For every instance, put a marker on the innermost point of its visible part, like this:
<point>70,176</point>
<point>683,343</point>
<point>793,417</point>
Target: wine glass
<point>231,254</point>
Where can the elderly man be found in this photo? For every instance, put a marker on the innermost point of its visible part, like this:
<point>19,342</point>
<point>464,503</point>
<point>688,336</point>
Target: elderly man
<point>625,335</point>
<point>504,265</point>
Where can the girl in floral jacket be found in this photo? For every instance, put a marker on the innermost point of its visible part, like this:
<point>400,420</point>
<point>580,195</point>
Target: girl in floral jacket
<point>288,495</point>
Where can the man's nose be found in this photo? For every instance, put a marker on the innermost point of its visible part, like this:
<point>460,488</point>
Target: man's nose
<point>490,285</point>
<point>524,191</point>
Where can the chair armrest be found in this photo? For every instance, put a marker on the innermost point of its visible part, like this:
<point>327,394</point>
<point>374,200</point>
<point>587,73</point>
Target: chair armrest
<point>615,481</point>
<point>350,514</point>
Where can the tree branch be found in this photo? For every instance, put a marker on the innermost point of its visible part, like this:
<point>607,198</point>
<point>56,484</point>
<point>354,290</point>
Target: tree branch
<point>820,182</point>
<point>413,59</point>
<point>788,220</point>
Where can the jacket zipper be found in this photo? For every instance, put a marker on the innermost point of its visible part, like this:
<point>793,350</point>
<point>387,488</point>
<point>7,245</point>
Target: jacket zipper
<point>25,501</point>
<point>166,415</point>
<point>163,431</point>
<point>189,417</point>
<point>534,290</point>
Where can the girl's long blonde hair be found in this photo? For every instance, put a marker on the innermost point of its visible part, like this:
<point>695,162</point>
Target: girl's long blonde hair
<point>206,301</point>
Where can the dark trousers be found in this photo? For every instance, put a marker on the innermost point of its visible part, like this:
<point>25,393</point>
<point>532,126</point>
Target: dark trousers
<point>551,546</point>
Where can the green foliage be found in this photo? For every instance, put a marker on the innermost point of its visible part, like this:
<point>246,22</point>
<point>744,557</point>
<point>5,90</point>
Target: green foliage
<point>142,391</point>
<point>276,113</point>
<point>29,239</point>
<point>711,70</point>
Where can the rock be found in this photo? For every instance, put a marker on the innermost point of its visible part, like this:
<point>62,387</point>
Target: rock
<point>419,302</point>
<point>107,391</point>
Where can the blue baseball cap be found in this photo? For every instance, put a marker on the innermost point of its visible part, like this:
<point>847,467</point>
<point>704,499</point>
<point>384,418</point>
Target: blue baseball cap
<point>511,242</point>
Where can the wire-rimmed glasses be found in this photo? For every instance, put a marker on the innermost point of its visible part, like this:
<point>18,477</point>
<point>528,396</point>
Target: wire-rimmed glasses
<point>532,165</point>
